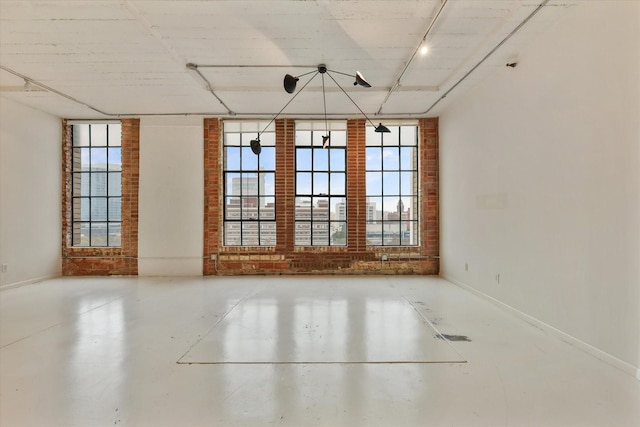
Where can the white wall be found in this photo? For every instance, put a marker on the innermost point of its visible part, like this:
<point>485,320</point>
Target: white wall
<point>540,181</point>
<point>171,201</point>
<point>30,192</point>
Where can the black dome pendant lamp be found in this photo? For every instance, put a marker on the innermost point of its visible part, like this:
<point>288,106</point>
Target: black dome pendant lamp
<point>290,83</point>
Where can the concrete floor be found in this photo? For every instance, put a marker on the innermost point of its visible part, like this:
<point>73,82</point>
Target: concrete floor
<point>290,351</point>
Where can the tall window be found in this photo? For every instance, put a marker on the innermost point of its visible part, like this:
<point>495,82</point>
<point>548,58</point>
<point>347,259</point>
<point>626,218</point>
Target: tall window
<point>96,174</point>
<point>249,185</point>
<point>321,189</point>
<point>392,186</point>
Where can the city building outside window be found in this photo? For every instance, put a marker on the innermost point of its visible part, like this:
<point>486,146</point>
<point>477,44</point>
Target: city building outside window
<point>392,186</point>
<point>321,184</point>
<point>249,185</point>
<point>96,192</point>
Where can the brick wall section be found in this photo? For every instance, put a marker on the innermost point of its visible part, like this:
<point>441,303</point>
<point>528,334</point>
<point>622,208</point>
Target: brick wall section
<point>356,257</point>
<point>212,187</point>
<point>430,200</point>
<point>285,185</point>
<point>356,186</point>
<point>105,261</point>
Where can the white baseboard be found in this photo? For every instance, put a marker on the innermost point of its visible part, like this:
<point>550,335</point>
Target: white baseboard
<point>570,339</point>
<point>29,281</point>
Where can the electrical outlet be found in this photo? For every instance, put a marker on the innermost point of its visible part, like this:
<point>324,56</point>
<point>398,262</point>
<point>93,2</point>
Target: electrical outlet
<point>384,257</point>
<point>214,257</point>
<point>5,267</point>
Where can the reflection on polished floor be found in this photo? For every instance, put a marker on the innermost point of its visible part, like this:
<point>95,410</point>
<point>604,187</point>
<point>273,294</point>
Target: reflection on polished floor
<point>288,351</point>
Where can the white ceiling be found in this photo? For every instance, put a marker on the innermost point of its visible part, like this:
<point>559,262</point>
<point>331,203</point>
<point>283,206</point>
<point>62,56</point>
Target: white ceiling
<point>96,58</point>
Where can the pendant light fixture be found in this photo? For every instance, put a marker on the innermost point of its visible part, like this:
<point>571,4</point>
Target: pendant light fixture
<point>290,83</point>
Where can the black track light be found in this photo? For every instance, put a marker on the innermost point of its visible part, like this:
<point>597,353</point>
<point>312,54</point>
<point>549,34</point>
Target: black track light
<point>255,146</point>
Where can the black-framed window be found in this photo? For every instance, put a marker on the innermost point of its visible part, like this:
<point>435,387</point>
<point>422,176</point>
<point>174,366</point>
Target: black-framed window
<point>392,192</point>
<point>321,184</point>
<point>249,185</point>
<point>96,193</point>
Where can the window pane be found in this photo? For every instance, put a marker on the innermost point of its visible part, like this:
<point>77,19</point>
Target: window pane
<point>337,160</point>
<point>338,207</point>
<point>338,139</point>
<point>303,208</point>
<point>98,209</point>
<point>98,184</point>
<point>374,158</point>
<point>338,184</point>
<point>232,208</point>
<point>99,234</point>
<point>234,184</point>
<point>374,233</point>
<point>232,139</point>
<point>317,138</point>
<point>267,158</point>
<point>374,183</point>
<point>114,184</point>
<point>320,234</point>
<point>232,158</point>
<point>320,159</point>
<point>320,209</point>
<point>410,233</point>
<point>115,209</point>
<point>115,159</point>
<point>392,138</point>
<point>391,233</point>
<point>99,159</point>
<point>303,138</point>
<point>338,233</point>
<point>267,139</point>
<point>303,234</point>
<point>408,135</point>
<point>268,186</point>
<point>303,183</point>
<point>98,135</point>
<point>390,158</point>
<point>408,158</point>
<point>80,136</point>
<point>232,234</point>
<point>115,135</point>
<point>303,159</point>
<point>374,208</point>
<point>249,160</point>
<point>410,208</point>
<point>390,183</point>
<point>408,183</point>
<point>250,184</point>
<point>320,183</point>
<point>390,207</point>
<point>80,159</point>
<point>250,233</point>
<point>268,233</point>
<point>373,138</point>
<point>115,234</point>
<point>81,184</point>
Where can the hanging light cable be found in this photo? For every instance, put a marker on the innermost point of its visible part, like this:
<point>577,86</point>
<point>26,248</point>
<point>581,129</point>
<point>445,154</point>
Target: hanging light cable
<point>290,82</point>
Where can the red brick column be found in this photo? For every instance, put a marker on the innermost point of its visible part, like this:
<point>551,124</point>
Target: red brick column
<point>212,193</point>
<point>356,186</point>
<point>104,261</point>
<point>430,197</point>
<point>285,185</point>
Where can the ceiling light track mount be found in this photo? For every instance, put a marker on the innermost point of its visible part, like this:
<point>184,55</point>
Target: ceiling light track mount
<point>290,83</point>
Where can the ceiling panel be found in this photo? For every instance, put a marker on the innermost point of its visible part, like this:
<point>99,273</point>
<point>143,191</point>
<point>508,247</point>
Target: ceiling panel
<point>128,57</point>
